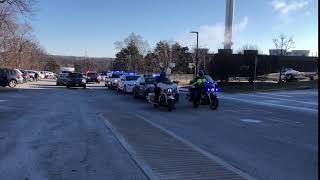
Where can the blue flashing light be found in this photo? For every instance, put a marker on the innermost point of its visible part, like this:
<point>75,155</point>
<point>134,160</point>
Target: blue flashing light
<point>217,89</point>
<point>155,75</point>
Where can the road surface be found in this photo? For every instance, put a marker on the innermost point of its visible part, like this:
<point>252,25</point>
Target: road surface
<point>49,132</point>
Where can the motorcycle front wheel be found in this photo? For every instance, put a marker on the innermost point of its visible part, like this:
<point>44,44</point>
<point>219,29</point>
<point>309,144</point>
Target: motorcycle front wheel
<point>170,104</point>
<point>214,103</point>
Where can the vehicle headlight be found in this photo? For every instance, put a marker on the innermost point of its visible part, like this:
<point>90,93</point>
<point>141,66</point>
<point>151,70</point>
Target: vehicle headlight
<point>116,81</point>
<point>83,80</point>
<point>169,90</point>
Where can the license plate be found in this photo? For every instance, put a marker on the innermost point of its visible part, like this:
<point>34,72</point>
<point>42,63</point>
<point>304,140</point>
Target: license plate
<point>76,84</point>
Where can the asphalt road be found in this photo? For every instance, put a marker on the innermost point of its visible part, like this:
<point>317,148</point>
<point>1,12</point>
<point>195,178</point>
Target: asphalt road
<point>49,132</point>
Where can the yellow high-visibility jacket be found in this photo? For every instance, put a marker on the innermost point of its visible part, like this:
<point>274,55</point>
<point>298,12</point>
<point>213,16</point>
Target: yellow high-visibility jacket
<point>199,81</point>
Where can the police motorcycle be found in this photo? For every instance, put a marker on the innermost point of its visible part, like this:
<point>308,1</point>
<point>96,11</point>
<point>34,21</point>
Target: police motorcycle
<point>167,97</point>
<point>206,95</point>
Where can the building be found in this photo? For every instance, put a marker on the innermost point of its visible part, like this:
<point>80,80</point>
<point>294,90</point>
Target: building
<point>277,52</point>
<point>299,53</point>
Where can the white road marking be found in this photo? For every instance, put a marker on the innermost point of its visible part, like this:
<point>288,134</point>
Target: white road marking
<point>274,105</point>
<point>250,120</point>
<point>272,101</point>
<point>313,92</point>
<point>2,100</point>
<point>272,94</point>
<point>284,122</point>
<point>311,103</point>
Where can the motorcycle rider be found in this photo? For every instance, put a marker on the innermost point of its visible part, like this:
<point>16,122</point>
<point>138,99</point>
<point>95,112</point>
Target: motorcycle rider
<point>197,83</point>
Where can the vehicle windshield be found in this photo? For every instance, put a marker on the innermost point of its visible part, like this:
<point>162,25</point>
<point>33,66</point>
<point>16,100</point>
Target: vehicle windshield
<point>116,75</point>
<point>150,80</point>
<point>63,75</point>
<point>75,75</point>
<point>132,78</point>
<point>92,74</point>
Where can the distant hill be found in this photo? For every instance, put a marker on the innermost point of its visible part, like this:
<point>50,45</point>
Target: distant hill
<point>74,58</point>
<point>92,63</point>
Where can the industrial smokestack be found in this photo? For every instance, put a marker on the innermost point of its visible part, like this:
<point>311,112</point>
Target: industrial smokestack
<point>229,24</point>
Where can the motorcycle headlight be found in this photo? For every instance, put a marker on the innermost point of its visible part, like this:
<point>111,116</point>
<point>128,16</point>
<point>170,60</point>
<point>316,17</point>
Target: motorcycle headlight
<point>169,90</point>
<point>83,80</point>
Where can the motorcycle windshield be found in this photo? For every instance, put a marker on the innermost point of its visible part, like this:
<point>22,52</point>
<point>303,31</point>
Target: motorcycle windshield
<point>209,79</point>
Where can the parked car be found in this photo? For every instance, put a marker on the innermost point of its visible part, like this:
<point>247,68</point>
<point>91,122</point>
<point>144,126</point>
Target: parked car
<point>62,79</point>
<point>31,74</point>
<point>41,74</point>
<point>76,80</point>
<point>26,76</point>
<point>112,80</point>
<point>9,77</point>
<point>126,83</point>
<point>103,76</point>
<point>289,74</point>
<point>20,76</point>
<point>93,77</point>
<point>50,74</point>
<point>143,86</point>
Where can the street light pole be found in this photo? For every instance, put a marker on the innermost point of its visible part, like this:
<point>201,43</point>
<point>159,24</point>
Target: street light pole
<point>255,72</point>
<point>197,51</point>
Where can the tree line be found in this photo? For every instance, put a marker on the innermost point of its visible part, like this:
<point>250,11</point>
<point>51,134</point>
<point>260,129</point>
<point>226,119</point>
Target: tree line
<point>135,55</point>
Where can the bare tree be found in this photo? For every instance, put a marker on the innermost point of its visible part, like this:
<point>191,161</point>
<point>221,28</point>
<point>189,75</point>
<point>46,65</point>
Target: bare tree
<point>283,43</point>
<point>24,7</point>
<point>137,40</point>
<point>203,59</point>
<point>17,44</point>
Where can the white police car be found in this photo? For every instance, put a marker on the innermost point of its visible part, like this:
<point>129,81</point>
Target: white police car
<point>126,83</point>
<point>112,80</point>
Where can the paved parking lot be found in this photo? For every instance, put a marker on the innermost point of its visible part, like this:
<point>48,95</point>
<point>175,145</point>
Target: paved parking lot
<point>50,132</point>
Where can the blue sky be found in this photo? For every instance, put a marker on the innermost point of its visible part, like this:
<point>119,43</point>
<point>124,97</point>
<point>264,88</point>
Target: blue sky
<point>68,27</point>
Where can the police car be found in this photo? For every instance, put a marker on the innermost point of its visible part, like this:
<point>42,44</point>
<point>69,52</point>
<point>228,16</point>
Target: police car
<point>113,79</point>
<point>126,83</point>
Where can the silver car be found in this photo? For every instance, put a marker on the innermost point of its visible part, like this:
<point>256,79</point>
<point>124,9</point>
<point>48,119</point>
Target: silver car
<point>19,76</point>
<point>62,79</point>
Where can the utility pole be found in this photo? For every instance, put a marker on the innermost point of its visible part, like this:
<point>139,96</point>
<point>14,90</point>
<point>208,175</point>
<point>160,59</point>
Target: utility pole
<point>255,73</point>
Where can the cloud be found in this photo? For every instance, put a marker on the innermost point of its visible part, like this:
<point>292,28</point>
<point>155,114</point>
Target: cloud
<point>243,24</point>
<point>285,7</point>
<point>211,36</point>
